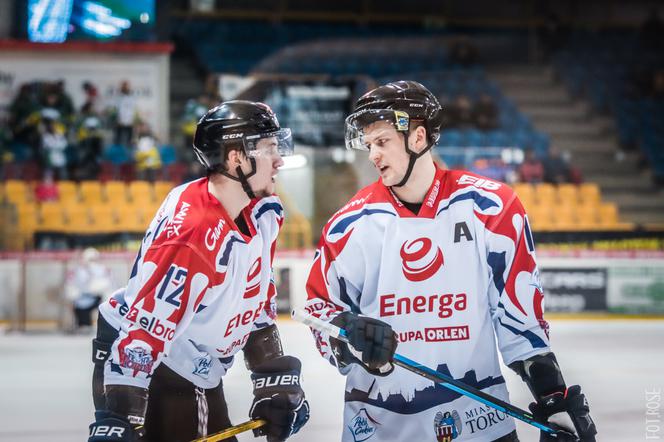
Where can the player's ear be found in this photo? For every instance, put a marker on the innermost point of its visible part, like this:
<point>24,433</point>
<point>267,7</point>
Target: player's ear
<point>418,138</point>
<point>234,160</point>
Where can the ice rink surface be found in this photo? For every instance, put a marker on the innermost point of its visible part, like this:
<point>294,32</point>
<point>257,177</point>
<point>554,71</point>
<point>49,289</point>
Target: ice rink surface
<point>45,381</point>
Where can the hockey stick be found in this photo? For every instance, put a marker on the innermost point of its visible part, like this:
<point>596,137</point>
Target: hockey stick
<point>232,431</point>
<point>432,375</point>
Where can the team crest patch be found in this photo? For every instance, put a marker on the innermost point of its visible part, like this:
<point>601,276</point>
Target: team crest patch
<point>362,426</point>
<point>202,366</point>
<point>401,120</point>
<point>447,426</point>
<point>137,359</point>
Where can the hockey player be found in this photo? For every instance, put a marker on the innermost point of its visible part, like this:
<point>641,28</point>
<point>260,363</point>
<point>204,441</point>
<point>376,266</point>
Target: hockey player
<point>441,262</point>
<point>201,290</point>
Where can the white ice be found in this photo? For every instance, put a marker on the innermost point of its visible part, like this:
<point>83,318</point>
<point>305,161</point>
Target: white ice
<point>45,382</point>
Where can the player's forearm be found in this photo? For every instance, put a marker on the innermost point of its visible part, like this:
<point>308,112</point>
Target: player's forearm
<point>262,345</point>
<point>541,373</point>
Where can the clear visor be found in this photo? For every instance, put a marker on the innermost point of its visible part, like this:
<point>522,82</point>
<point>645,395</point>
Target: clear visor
<point>357,122</point>
<point>272,143</point>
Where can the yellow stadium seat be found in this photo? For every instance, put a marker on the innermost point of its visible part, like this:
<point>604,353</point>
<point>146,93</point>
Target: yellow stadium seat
<point>140,192</point>
<point>18,191</point>
<point>564,217</point>
<point>78,220</point>
<point>586,216</point>
<point>541,218</point>
<point>130,219</point>
<point>90,192</point>
<point>103,218</point>
<point>525,191</point>
<point>67,191</point>
<point>608,214</point>
<point>27,219</point>
<point>545,194</point>
<point>51,218</point>
<point>568,194</point>
<point>589,194</point>
<point>161,190</point>
<point>116,192</point>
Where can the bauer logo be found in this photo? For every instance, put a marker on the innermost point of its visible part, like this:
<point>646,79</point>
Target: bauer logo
<point>253,280</point>
<point>447,426</point>
<point>419,262</point>
<point>362,426</point>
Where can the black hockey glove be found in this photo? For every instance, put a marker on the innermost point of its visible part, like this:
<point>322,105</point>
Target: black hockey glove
<point>124,416</point>
<point>574,403</point>
<point>112,427</point>
<point>279,398</point>
<point>372,343</point>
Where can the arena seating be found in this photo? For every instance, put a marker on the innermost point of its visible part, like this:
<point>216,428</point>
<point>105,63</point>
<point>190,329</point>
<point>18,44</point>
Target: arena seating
<point>568,207</point>
<point>614,71</point>
<point>94,208</point>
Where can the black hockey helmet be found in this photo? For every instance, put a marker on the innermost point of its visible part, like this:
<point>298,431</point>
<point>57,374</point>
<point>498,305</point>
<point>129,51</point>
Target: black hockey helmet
<point>398,103</point>
<point>238,124</point>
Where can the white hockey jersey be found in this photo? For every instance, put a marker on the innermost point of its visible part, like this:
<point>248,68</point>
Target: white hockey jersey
<point>451,281</point>
<point>198,287</point>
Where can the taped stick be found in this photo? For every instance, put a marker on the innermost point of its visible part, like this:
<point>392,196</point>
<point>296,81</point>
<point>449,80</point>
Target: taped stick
<point>432,375</point>
<point>232,431</point>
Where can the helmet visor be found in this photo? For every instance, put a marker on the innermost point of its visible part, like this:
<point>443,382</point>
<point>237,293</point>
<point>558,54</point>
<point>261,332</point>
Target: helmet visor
<point>358,121</point>
<point>270,143</point>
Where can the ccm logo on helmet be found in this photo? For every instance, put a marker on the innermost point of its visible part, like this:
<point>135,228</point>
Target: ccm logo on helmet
<point>417,251</point>
<point>231,136</point>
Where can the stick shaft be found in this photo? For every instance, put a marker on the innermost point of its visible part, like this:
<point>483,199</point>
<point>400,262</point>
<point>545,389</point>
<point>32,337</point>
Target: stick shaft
<point>432,375</point>
<point>232,431</point>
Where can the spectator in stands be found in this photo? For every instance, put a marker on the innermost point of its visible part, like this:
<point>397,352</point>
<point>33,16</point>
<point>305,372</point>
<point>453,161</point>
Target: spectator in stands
<point>556,167</point>
<point>147,156</point>
<point>47,190</point>
<point>53,144</point>
<point>485,113</point>
<point>494,168</point>
<point>193,111</point>
<point>532,169</point>
<point>461,112</point>
<point>91,97</point>
<point>57,97</point>
<point>463,51</point>
<point>90,142</point>
<point>124,115</point>
<point>87,284</point>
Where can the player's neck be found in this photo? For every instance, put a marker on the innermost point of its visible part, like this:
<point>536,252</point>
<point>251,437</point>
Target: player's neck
<point>417,186</point>
<point>229,193</point>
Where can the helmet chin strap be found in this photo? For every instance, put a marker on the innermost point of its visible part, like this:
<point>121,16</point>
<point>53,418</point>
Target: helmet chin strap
<point>243,178</point>
<point>412,157</point>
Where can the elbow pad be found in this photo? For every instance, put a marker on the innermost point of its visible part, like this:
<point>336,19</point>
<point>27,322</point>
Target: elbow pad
<point>262,345</point>
<point>541,373</point>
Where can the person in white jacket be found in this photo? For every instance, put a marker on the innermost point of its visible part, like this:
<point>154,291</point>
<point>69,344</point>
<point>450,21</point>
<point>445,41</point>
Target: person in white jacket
<point>87,285</point>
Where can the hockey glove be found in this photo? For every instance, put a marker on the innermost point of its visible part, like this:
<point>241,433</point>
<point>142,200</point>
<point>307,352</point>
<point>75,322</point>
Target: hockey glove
<point>112,427</point>
<point>574,403</point>
<point>124,416</point>
<point>279,398</point>
<point>372,343</point>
